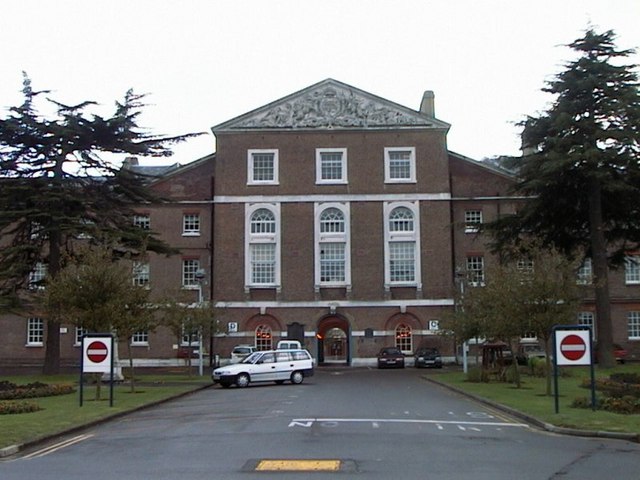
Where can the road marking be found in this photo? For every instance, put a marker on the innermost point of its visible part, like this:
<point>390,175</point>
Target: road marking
<point>298,465</point>
<point>58,446</point>
<point>308,422</point>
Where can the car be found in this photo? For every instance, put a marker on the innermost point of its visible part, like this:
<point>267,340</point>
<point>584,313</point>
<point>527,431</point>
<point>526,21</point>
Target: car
<point>427,357</point>
<point>390,357</point>
<point>619,353</point>
<point>240,352</point>
<point>276,366</point>
<point>528,351</point>
<point>289,345</point>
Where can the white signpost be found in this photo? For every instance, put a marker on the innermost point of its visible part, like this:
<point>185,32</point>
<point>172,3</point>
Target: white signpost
<point>572,347</point>
<point>97,357</point>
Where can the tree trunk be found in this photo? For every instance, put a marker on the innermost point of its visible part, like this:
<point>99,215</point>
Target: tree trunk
<point>52,347</point>
<point>604,328</point>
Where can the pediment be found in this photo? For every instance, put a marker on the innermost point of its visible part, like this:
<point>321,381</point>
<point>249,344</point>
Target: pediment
<point>330,105</point>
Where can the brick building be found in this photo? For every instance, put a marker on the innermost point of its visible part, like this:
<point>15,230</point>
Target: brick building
<point>331,216</point>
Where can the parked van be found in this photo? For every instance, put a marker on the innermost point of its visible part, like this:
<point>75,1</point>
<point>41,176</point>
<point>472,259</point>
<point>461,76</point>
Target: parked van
<point>289,345</point>
<point>267,366</point>
<point>241,352</point>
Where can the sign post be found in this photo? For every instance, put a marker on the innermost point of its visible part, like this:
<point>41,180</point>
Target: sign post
<point>97,357</point>
<point>572,346</point>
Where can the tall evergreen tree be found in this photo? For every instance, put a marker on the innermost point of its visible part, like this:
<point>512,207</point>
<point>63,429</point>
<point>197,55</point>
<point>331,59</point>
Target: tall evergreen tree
<point>59,183</point>
<point>581,167</point>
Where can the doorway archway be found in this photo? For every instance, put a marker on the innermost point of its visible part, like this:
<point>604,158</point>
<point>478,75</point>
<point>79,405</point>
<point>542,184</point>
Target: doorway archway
<point>334,341</point>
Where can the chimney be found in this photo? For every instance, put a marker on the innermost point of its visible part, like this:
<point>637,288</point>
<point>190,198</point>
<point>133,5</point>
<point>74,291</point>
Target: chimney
<point>427,105</point>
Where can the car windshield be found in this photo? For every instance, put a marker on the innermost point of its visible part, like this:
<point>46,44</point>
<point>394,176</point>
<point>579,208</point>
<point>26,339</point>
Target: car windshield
<point>253,358</point>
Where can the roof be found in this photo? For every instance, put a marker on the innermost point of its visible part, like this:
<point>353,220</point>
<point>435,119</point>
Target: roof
<point>330,104</point>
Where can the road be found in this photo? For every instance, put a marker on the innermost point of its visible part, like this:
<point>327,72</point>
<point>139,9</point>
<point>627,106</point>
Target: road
<point>345,423</point>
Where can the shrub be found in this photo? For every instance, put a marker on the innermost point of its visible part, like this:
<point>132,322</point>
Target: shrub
<point>538,367</point>
<point>9,407</point>
<point>633,378</point>
<point>477,375</point>
<point>33,390</point>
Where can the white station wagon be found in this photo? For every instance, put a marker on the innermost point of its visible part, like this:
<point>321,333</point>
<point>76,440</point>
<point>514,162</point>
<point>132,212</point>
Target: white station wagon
<point>267,366</point>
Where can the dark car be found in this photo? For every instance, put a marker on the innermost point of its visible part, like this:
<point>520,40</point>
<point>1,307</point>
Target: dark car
<point>428,357</point>
<point>619,353</point>
<point>390,357</point>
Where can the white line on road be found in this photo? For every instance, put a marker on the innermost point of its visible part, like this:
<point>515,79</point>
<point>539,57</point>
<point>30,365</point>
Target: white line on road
<point>57,446</point>
<point>308,421</point>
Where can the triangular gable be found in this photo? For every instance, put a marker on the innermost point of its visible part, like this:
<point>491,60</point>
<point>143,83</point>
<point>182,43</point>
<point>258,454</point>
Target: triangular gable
<point>330,105</point>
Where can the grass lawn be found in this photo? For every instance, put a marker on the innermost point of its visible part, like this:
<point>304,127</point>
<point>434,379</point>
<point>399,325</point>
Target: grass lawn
<point>530,399</point>
<point>64,412</point>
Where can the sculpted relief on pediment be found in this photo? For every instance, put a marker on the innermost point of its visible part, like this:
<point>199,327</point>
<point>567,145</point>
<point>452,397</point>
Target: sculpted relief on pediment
<point>331,106</point>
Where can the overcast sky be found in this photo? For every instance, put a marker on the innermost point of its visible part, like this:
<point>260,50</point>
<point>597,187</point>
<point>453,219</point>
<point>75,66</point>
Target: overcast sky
<point>206,61</point>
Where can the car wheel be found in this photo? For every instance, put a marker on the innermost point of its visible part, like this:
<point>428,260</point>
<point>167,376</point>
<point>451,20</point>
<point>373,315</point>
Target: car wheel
<point>242,380</point>
<point>297,377</point>
<point>279,382</point>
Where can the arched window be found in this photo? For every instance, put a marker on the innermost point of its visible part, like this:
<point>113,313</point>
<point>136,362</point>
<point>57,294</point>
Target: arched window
<point>401,220</point>
<point>262,242</point>
<point>402,246</point>
<point>332,221</point>
<point>263,221</point>
<point>332,256</point>
<point>404,338</point>
<point>264,337</point>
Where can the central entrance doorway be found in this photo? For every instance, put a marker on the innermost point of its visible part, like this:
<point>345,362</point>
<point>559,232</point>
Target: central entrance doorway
<point>334,341</point>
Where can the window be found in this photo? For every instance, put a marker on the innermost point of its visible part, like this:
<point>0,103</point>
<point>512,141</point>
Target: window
<point>632,269</point>
<point>190,269</point>
<point>633,325</point>
<point>402,264</point>
<point>35,332</point>
<point>587,318</point>
<point>264,337</point>
<point>585,273</point>
<point>37,275</point>
<point>331,165</point>
<point>472,221</point>
<point>525,265</point>
<point>142,221</point>
<point>332,258</point>
<point>400,165</point>
<point>80,332</point>
<point>140,338</point>
<point>262,246</point>
<point>404,338</point>
<point>262,167</point>
<point>141,274</point>
<point>191,224</point>
<point>475,271</point>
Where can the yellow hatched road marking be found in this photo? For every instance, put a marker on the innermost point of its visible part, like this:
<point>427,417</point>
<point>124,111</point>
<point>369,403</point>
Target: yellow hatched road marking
<point>298,465</point>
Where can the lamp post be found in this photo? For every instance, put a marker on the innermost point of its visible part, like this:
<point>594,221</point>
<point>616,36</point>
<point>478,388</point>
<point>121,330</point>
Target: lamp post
<point>200,276</point>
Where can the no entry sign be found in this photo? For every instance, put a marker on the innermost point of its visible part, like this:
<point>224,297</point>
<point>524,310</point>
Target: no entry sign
<point>96,356</point>
<point>573,347</point>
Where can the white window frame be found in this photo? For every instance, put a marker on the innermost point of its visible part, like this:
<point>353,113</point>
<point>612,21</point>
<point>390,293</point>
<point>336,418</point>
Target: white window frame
<point>250,166</point>
<point>585,272</point>
<point>141,274</point>
<point>343,166</point>
<point>142,221</point>
<point>263,337</point>
<point>321,238</point>
<point>262,238</point>
<point>402,342</point>
<point>412,165</point>
<point>78,334</point>
<point>191,224</point>
<point>474,279</point>
<point>402,236</point>
<point>36,275</point>
<point>140,339</point>
<point>588,318</point>
<point>632,270</point>
<point>190,267</point>
<point>633,325</point>
<point>35,332</point>
<point>472,221</point>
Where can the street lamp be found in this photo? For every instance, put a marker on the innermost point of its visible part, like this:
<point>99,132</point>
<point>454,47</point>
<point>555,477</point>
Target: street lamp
<point>200,276</point>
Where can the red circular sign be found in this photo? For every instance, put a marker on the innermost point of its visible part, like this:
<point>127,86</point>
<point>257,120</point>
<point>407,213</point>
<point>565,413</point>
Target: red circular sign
<point>97,352</point>
<point>573,347</point>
